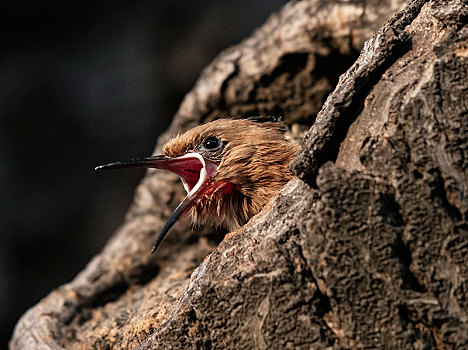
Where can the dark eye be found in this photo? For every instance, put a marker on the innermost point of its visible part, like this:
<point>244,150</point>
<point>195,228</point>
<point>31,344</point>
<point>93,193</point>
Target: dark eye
<point>211,142</point>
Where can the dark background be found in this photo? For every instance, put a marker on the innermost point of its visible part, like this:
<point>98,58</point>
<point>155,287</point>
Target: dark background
<point>83,83</point>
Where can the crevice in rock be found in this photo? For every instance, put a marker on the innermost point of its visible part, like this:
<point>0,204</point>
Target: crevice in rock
<point>109,294</point>
<point>390,211</point>
<point>344,105</point>
<point>290,63</point>
<point>438,191</point>
<point>323,306</point>
<point>334,64</point>
<point>409,280</point>
<point>349,114</point>
<point>215,235</point>
<point>142,274</point>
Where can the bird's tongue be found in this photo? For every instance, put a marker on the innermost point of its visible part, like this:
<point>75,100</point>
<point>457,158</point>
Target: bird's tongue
<point>193,170</point>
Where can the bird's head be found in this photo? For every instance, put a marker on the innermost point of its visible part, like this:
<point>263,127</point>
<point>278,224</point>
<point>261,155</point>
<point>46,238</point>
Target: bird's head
<point>229,168</point>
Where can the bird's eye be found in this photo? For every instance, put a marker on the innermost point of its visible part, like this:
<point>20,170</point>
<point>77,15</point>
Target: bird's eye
<point>211,143</point>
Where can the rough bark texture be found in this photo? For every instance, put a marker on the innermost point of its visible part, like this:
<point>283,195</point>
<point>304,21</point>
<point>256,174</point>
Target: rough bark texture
<point>365,248</point>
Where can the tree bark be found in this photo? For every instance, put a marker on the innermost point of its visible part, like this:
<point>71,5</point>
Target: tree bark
<point>365,248</point>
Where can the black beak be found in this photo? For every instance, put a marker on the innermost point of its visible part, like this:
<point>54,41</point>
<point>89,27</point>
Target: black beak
<point>185,167</point>
<point>159,162</point>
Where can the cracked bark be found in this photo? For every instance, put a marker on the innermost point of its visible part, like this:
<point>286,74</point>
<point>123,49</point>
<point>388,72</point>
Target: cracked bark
<point>366,247</point>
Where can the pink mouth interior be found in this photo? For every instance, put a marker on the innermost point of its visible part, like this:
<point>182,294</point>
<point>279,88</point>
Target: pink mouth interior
<point>188,169</point>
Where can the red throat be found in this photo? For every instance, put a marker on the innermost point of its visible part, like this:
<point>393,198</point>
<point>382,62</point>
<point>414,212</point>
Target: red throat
<point>225,188</point>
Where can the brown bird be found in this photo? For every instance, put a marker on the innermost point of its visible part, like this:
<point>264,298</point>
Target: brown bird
<point>229,168</point>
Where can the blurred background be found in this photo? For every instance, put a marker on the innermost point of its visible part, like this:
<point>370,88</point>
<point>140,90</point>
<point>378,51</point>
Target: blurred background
<point>83,83</point>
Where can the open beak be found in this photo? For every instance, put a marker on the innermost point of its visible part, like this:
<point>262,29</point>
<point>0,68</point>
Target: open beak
<point>193,170</point>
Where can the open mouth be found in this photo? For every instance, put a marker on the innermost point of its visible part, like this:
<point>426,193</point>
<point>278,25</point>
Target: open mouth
<point>194,171</point>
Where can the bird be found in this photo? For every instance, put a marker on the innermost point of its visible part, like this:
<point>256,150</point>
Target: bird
<point>230,168</point>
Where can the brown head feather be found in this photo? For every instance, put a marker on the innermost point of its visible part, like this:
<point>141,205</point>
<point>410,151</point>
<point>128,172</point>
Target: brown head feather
<point>254,158</point>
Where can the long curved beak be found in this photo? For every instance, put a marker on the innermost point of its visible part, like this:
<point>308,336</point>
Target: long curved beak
<point>149,162</point>
<point>193,170</point>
